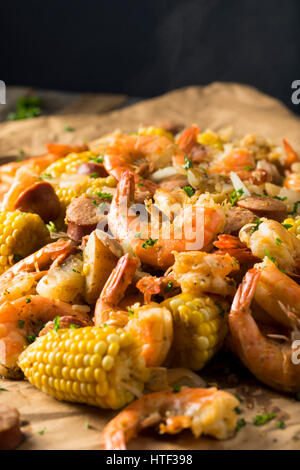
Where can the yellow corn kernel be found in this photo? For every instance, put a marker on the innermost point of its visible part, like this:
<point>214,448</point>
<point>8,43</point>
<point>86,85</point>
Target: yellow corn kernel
<point>151,130</point>
<point>210,138</point>
<point>200,327</point>
<point>21,234</point>
<point>76,366</point>
<point>293,225</point>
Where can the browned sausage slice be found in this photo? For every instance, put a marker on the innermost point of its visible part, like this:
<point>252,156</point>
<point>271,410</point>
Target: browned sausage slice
<point>264,207</point>
<point>236,218</point>
<point>40,198</point>
<point>10,432</point>
<point>173,182</point>
<point>83,215</point>
<point>90,168</point>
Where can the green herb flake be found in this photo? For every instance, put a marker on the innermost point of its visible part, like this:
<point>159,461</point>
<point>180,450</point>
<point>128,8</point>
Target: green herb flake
<point>98,159</point>
<point>138,235</point>
<point>105,324</point>
<point>73,326</point>
<point>189,191</point>
<point>240,399</point>
<point>149,242</point>
<point>169,286</point>
<point>188,163</point>
<point>240,424</point>
<point>87,425</point>
<point>27,107</point>
<point>130,312</point>
<point>280,425</point>
<point>45,176</point>
<point>51,227</point>
<point>278,241</point>
<point>21,323</point>
<point>248,168</point>
<point>267,254</point>
<point>108,196</point>
<point>260,420</point>
<point>69,129</point>
<point>295,207</point>
<point>28,300</point>
<point>256,223</point>
<point>287,226</point>
<point>95,202</point>
<point>237,410</point>
<point>31,339</point>
<point>42,431</point>
<point>94,175</point>
<point>235,196</point>
<point>176,388</point>
<point>3,389</point>
<point>280,198</point>
<point>76,271</point>
<point>56,324</point>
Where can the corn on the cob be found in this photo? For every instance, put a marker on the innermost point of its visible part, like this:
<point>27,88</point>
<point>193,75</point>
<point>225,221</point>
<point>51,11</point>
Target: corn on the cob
<point>293,225</point>
<point>200,327</point>
<point>151,130</point>
<point>68,165</point>
<point>21,233</point>
<point>87,185</point>
<point>98,366</point>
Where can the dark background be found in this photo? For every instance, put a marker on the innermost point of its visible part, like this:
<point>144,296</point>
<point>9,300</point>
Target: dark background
<point>145,48</point>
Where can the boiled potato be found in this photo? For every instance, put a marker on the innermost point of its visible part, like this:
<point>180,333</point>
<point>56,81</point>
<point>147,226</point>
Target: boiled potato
<point>64,282</point>
<point>99,262</point>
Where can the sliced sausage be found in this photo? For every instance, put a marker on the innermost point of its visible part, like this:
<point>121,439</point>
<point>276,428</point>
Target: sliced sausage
<point>198,153</point>
<point>90,168</point>
<point>264,207</point>
<point>236,218</point>
<point>83,216</point>
<point>64,323</point>
<point>10,432</point>
<point>40,198</point>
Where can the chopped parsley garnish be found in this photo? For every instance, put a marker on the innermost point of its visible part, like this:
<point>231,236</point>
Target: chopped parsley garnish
<point>108,196</point>
<point>240,424</point>
<point>95,202</point>
<point>237,410</point>
<point>75,271</point>
<point>28,300</point>
<point>149,242</point>
<point>278,241</point>
<point>56,324</point>
<point>280,425</point>
<point>130,312</point>
<point>42,431</point>
<point>176,388</point>
<point>69,129</point>
<point>73,326</point>
<point>295,207</point>
<point>240,399</point>
<point>188,163</point>
<point>259,420</point>
<point>21,323</point>
<point>104,324</point>
<point>256,223</point>
<point>189,191</point>
<point>248,168</point>
<point>17,258</point>
<point>87,425</point>
<point>94,175</point>
<point>31,339</point>
<point>27,107</point>
<point>169,286</point>
<point>280,198</point>
<point>98,159</point>
<point>235,196</point>
<point>287,226</point>
<point>267,254</point>
<point>45,176</point>
<point>51,227</point>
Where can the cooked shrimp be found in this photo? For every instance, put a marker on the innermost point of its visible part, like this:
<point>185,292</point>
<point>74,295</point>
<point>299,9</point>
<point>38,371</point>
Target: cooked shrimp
<point>292,181</point>
<point>238,160</point>
<point>270,238</point>
<point>194,228</point>
<point>269,360</point>
<point>291,155</point>
<point>203,410</point>
<point>20,322</point>
<point>25,177</point>
<point>128,151</point>
<point>42,259</point>
<point>8,171</point>
<point>235,248</point>
<point>199,272</point>
<point>186,141</point>
<point>152,324</point>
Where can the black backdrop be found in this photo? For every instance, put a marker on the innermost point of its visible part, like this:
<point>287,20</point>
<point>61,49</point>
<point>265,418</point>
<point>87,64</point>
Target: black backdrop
<point>144,48</point>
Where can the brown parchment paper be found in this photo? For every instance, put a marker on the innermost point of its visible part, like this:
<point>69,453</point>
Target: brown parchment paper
<point>71,426</point>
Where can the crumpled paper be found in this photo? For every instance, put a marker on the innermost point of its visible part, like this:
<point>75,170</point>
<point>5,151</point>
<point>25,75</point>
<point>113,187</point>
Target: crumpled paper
<point>49,424</point>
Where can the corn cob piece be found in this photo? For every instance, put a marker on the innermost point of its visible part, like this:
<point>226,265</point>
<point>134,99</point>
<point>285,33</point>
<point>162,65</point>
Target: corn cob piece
<point>21,233</point>
<point>68,165</point>
<point>67,192</point>
<point>151,130</point>
<point>199,329</point>
<point>210,138</point>
<point>293,225</point>
<point>97,366</point>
